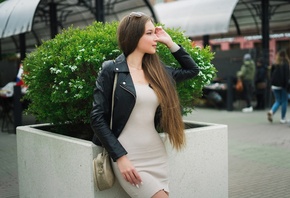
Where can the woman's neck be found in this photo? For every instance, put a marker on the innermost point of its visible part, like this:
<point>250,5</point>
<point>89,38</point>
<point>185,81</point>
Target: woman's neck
<point>134,61</point>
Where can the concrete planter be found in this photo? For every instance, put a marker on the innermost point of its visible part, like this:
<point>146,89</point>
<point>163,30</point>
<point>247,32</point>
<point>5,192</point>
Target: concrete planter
<point>52,165</point>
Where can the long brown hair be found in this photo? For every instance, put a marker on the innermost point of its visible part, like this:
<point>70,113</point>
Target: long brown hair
<point>282,58</point>
<point>130,30</point>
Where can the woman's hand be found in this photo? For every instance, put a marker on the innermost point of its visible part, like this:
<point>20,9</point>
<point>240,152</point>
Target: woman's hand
<point>128,171</point>
<point>163,37</point>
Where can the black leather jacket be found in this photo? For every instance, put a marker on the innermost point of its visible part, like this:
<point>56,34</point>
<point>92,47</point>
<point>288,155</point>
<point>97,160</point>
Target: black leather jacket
<point>125,96</point>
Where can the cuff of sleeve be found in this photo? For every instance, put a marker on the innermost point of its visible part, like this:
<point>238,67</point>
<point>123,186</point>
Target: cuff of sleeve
<point>174,48</point>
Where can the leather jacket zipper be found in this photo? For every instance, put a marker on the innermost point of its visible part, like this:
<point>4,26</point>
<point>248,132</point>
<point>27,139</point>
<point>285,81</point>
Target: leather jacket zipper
<point>128,91</point>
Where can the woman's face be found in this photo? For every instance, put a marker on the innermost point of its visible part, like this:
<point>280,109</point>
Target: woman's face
<point>147,43</point>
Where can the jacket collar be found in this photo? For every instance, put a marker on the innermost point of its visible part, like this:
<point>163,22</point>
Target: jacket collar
<point>125,79</point>
<point>121,64</point>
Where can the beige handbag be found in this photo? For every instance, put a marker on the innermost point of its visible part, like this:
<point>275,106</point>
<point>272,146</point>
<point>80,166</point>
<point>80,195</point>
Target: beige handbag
<point>103,173</point>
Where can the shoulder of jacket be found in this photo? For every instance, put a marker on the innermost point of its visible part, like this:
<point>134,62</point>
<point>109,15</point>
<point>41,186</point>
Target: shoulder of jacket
<point>117,65</point>
<point>108,64</point>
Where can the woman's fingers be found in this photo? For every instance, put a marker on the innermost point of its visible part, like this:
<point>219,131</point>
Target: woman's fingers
<point>132,177</point>
<point>137,176</point>
<point>128,171</point>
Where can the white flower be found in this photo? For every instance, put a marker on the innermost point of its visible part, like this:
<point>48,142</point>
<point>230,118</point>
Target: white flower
<point>73,68</point>
<point>52,70</point>
<point>209,75</point>
<point>77,96</point>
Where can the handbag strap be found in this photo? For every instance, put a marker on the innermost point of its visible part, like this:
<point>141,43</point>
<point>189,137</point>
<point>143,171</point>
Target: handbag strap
<point>113,97</point>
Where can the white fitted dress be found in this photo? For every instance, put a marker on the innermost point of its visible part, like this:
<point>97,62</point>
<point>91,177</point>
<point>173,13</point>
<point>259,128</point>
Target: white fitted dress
<point>144,146</point>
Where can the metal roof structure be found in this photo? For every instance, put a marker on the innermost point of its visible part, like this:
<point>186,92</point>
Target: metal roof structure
<point>246,18</point>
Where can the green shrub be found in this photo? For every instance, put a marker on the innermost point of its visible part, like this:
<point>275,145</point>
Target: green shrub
<point>61,73</point>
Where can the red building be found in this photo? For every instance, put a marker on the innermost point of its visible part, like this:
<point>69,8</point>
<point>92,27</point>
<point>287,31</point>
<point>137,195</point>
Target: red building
<point>277,42</point>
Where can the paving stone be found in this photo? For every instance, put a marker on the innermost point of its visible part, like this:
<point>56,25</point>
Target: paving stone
<point>259,162</point>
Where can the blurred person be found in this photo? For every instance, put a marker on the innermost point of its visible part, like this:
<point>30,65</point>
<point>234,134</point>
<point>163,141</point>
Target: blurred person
<point>247,74</point>
<point>260,84</point>
<point>279,82</point>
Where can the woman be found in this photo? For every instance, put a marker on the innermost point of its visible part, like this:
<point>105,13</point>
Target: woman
<point>145,88</point>
<point>279,81</point>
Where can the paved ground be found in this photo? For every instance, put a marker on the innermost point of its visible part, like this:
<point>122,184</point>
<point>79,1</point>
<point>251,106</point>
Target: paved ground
<point>8,159</point>
<point>259,154</point>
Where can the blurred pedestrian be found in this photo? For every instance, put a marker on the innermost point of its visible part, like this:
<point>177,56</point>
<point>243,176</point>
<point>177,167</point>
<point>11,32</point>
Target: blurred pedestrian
<point>279,82</point>
<point>260,84</point>
<point>247,74</point>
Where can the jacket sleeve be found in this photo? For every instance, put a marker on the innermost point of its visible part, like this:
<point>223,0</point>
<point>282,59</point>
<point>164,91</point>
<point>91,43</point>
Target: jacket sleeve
<point>189,68</point>
<point>286,76</point>
<point>241,72</point>
<point>101,113</point>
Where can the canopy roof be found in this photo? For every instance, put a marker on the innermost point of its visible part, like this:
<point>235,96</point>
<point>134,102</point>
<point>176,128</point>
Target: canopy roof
<point>78,13</point>
<point>246,19</point>
<point>217,18</point>
<point>197,18</point>
<point>16,16</point>
<point>224,18</point>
